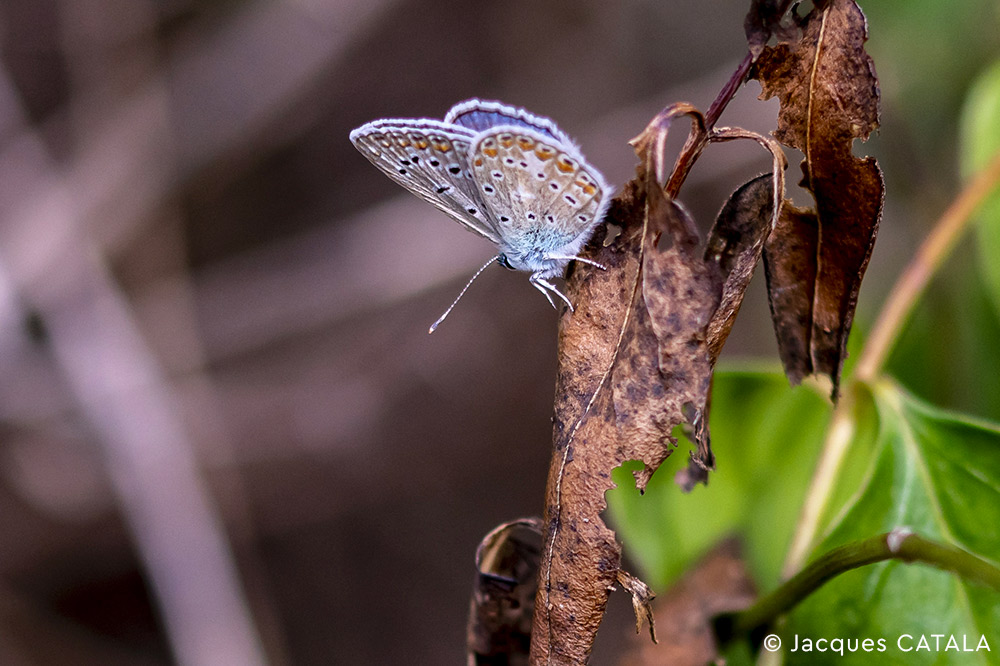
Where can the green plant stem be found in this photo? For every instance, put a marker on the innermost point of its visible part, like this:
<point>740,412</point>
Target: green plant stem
<point>835,445</point>
<point>888,327</point>
<point>912,283</point>
<point>900,544</point>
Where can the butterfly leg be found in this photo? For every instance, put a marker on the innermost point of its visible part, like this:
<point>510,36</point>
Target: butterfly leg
<point>566,257</point>
<point>547,294</point>
<point>547,288</point>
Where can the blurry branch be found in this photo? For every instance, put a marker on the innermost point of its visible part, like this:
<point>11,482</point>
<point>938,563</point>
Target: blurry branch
<point>381,257</point>
<point>222,91</point>
<point>129,160</point>
<point>257,67</point>
<point>123,396</point>
<point>221,94</point>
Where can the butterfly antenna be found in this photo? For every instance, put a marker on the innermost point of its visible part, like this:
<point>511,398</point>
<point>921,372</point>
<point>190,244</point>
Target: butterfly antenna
<point>460,294</point>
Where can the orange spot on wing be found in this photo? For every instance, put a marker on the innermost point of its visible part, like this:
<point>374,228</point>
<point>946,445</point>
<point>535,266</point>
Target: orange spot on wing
<point>525,143</point>
<point>563,165</point>
<point>490,152</point>
<point>479,161</point>
<point>544,152</point>
<point>587,187</point>
<point>421,144</point>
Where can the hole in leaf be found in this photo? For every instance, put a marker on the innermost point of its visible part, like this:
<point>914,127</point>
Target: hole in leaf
<point>664,243</point>
<point>612,231</point>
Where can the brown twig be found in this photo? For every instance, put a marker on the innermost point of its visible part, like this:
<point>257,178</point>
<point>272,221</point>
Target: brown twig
<point>697,141</point>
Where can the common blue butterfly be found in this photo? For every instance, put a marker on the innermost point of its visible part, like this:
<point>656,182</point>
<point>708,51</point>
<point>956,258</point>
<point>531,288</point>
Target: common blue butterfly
<point>508,175</point>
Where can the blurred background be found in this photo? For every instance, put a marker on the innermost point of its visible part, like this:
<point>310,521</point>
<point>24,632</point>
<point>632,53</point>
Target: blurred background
<point>225,435</point>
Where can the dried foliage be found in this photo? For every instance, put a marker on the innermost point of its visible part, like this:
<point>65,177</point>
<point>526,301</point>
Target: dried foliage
<point>636,360</point>
<point>765,19</point>
<point>718,584</point>
<point>501,607</point>
<point>637,355</point>
<point>815,261</point>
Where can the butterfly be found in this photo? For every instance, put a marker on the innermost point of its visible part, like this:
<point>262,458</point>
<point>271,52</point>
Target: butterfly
<point>506,174</point>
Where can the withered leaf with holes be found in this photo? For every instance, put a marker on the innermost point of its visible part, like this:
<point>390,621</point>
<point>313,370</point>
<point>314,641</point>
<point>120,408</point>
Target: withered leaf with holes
<point>766,18</point>
<point>816,259</point>
<point>635,360</point>
<point>719,583</point>
<point>500,611</point>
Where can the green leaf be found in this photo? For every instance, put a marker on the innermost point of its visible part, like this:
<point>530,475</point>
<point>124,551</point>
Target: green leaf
<point>937,473</point>
<point>980,141</point>
<point>766,437</point>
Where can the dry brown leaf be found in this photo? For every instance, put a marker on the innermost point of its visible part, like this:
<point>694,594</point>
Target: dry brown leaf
<point>736,243</point>
<point>764,19</point>
<point>500,611</point>
<point>614,404</point>
<point>637,355</point>
<point>581,556</point>
<point>829,96</point>
<point>719,584</point>
<point>791,279</point>
<point>635,360</point>
<point>642,601</point>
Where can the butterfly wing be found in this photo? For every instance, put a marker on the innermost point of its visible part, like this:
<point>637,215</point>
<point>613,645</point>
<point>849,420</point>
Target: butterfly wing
<point>480,116</point>
<point>430,159</point>
<point>545,197</point>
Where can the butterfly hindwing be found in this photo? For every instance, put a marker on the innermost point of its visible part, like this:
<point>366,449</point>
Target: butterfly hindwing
<point>545,198</point>
<point>430,159</point>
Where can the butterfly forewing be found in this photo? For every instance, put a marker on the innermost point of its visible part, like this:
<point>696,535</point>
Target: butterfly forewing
<point>543,194</point>
<point>430,159</point>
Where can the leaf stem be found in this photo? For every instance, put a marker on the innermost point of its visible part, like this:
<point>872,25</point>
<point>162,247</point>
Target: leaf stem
<point>728,91</point>
<point>911,284</point>
<point>697,142</point>
<point>899,544</point>
<point>838,439</point>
